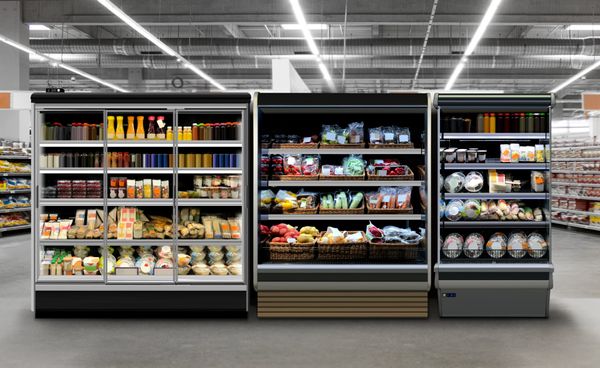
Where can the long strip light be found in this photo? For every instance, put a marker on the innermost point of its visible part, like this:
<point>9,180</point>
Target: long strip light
<point>58,63</point>
<point>310,41</point>
<point>485,22</point>
<point>161,45</point>
<point>576,77</point>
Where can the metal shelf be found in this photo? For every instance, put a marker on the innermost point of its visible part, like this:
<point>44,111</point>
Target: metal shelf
<point>207,242</point>
<point>140,143</point>
<point>556,209</point>
<point>568,196</point>
<point>15,191</point>
<point>61,242</point>
<point>71,202</point>
<point>62,144</point>
<point>18,227</point>
<point>143,242</point>
<point>495,136</point>
<point>575,172</point>
<point>575,159</point>
<point>9,157</point>
<point>493,224</point>
<point>140,202</point>
<point>592,185</point>
<point>209,144</point>
<point>79,279</point>
<point>210,279</point>
<point>209,202</point>
<point>15,174</point>
<point>215,170</point>
<point>365,216</point>
<point>496,164</point>
<point>496,195</point>
<point>344,151</point>
<point>81,170</point>
<point>140,170</point>
<point>16,209</point>
<point>574,224</point>
<point>342,183</point>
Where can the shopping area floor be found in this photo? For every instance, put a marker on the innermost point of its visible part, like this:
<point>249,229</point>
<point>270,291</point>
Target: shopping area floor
<point>569,338</point>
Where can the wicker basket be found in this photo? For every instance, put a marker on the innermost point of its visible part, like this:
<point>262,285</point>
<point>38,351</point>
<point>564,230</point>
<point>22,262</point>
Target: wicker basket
<point>409,176</point>
<point>389,211</point>
<point>340,252</point>
<point>285,252</point>
<point>394,251</point>
<point>295,145</point>
<point>341,146</point>
<point>337,211</point>
<point>301,211</point>
<point>341,177</point>
<point>298,177</point>
<point>393,145</point>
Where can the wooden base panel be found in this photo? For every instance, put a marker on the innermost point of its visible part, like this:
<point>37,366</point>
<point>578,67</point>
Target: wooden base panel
<point>340,304</point>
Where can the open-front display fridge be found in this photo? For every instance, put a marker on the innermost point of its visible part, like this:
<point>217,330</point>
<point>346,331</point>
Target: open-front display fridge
<point>140,203</point>
<point>340,205</point>
<point>494,253</point>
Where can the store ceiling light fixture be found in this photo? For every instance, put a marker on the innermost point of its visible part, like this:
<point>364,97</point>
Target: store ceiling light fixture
<point>584,27</point>
<point>161,45</point>
<point>485,22</point>
<point>578,76</point>
<point>58,63</point>
<point>304,27</point>
<point>38,27</point>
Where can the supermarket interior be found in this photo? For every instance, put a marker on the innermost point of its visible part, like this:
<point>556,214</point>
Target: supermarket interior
<point>419,177</point>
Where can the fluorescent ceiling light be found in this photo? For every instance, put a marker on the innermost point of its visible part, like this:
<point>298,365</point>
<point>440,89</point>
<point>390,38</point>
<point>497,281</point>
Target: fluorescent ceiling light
<point>485,22</point>
<point>304,27</point>
<point>38,27</point>
<point>161,45</point>
<point>576,77</point>
<point>312,26</point>
<point>57,63</point>
<point>584,27</point>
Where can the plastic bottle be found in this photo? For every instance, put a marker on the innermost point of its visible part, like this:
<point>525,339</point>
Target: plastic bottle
<point>130,128</point>
<point>530,127</point>
<point>160,124</point>
<point>486,123</point>
<point>151,130</point>
<point>110,132</point>
<point>195,132</point>
<point>179,133</point>
<point>120,132</point>
<point>543,127</point>
<point>480,126</point>
<point>492,123</point>
<point>507,125</point>
<point>169,133</point>
<point>536,123</point>
<point>187,133</point>
<point>140,134</point>
<point>522,124</point>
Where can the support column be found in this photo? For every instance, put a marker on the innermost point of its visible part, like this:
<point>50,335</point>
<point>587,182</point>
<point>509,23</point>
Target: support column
<point>285,77</point>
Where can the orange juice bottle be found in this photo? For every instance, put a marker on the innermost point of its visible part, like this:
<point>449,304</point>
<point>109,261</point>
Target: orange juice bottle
<point>110,131</point>
<point>486,123</point>
<point>120,132</point>
<point>492,123</point>
<point>130,128</point>
<point>140,134</point>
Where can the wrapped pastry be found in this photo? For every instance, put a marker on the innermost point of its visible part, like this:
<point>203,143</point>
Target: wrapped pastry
<point>81,251</point>
<point>76,266</point>
<point>536,245</point>
<point>90,265</point>
<point>183,259</point>
<point>235,268</point>
<point>201,269</point>
<point>214,257</point>
<point>234,248</point>
<point>165,252</point>
<point>496,245</point>
<point>453,245</point>
<point>517,244</point>
<point>184,270</point>
<point>218,269</point>
<point>473,247</point>
<point>215,248</point>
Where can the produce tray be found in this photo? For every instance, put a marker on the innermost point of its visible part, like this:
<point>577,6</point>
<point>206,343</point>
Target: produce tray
<point>298,177</point>
<point>301,211</point>
<point>342,146</point>
<point>389,210</point>
<point>338,211</point>
<point>265,145</point>
<point>409,176</point>
<point>295,145</point>
<point>393,145</point>
<point>341,177</point>
<point>395,251</point>
<point>345,251</point>
<point>285,252</point>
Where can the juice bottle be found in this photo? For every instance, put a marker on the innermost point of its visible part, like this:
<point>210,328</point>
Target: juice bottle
<point>507,123</point>
<point>522,125</point>
<point>140,134</point>
<point>480,126</point>
<point>110,132</point>
<point>169,133</point>
<point>530,127</point>
<point>187,133</point>
<point>130,128</point>
<point>120,132</point>
<point>179,133</point>
<point>486,123</point>
<point>492,123</point>
<point>151,131</point>
<point>160,124</point>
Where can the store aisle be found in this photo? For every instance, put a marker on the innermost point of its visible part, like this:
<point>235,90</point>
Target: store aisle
<point>568,338</point>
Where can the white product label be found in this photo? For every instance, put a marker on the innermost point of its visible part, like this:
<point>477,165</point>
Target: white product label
<point>375,136</point>
<point>386,198</point>
<point>326,171</point>
<point>403,138</point>
<point>339,171</point>
<point>291,160</point>
<point>355,139</point>
<point>341,139</point>
<point>309,161</point>
<point>306,140</point>
<point>388,136</point>
<point>453,211</point>
<point>330,136</point>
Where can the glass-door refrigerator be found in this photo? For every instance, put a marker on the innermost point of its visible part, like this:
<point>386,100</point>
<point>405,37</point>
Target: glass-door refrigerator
<point>140,204</point>
<point>340,205</point>
<point>495,248</point>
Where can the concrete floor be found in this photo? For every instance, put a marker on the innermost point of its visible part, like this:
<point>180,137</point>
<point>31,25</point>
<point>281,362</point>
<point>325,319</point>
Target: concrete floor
<point>570,337</point>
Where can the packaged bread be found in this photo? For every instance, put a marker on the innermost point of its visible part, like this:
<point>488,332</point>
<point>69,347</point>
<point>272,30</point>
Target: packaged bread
<point>234,226</point>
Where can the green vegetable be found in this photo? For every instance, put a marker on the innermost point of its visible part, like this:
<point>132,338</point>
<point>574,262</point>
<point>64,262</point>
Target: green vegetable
<point>338,202</point>
<point>344,200</point>
<point>354,165</point>
<point>356,200</point>
<point>330,201</point>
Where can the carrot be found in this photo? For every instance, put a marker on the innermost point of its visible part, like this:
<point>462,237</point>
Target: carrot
<point>379,200</point>
<point>394,201</point>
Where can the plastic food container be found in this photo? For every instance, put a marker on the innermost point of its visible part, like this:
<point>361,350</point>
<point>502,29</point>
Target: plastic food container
<point>472,155</point>
<point>472,209</point>
<point>450,155</point>
<point>473,182</point>
<point>461,155</point>
<point>537,245</point>
<point>453,245</point>
<point>442,208</point>
<point>454,182</point>
<point>496,245</point>
<point>454,210</point>
<point>473,246</point>
<point>481,155</point>
<point>517,244</point>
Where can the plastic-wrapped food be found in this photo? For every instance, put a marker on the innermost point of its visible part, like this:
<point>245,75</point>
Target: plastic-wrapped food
<point>292,164</point>
<point>356,132</point>
<point>517,244</point>
<point>496,245</point>
<point>375,136</point>
<point>454,182</point>
<point>454,210</point>
<point>423,195</point>
<point>537,181</point>
<point>442,208</point>
<point>473,247</point>
<point>310,164</point>
<point>453,245</point>
<point>473,182</point>
<point>389,134</point>
<point>472,209</point>
<point>403,135</point>
<point>354,165</point>
<point>329,134</point>
<point>201,269</point>
<point>394,234</point>
<point>537,245</point>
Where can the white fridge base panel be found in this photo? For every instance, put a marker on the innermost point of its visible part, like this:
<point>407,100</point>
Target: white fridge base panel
<point>457,302</point>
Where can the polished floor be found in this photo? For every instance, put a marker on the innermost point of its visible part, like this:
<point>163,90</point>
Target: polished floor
<point>569,338</point>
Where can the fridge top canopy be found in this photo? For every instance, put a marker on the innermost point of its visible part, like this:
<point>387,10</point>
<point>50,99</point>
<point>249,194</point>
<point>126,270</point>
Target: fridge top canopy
<point>140,98</point>
<point>493,100</point>
<point>342,99</point>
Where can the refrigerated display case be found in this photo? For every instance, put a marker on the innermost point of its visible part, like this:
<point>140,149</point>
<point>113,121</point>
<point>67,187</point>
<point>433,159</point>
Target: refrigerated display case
<point>340,205</point>
<point>494,253</point>
<point>15,187</point>
<point>140,203</point>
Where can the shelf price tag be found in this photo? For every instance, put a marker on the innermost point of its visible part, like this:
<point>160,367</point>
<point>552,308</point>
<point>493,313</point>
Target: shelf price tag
<point>306,140</point>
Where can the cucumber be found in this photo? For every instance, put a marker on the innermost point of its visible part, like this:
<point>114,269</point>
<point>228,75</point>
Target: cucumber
<point>356,200</point>
<point>344,199</point>
<point>338,202</point>
<point>330,201</point>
